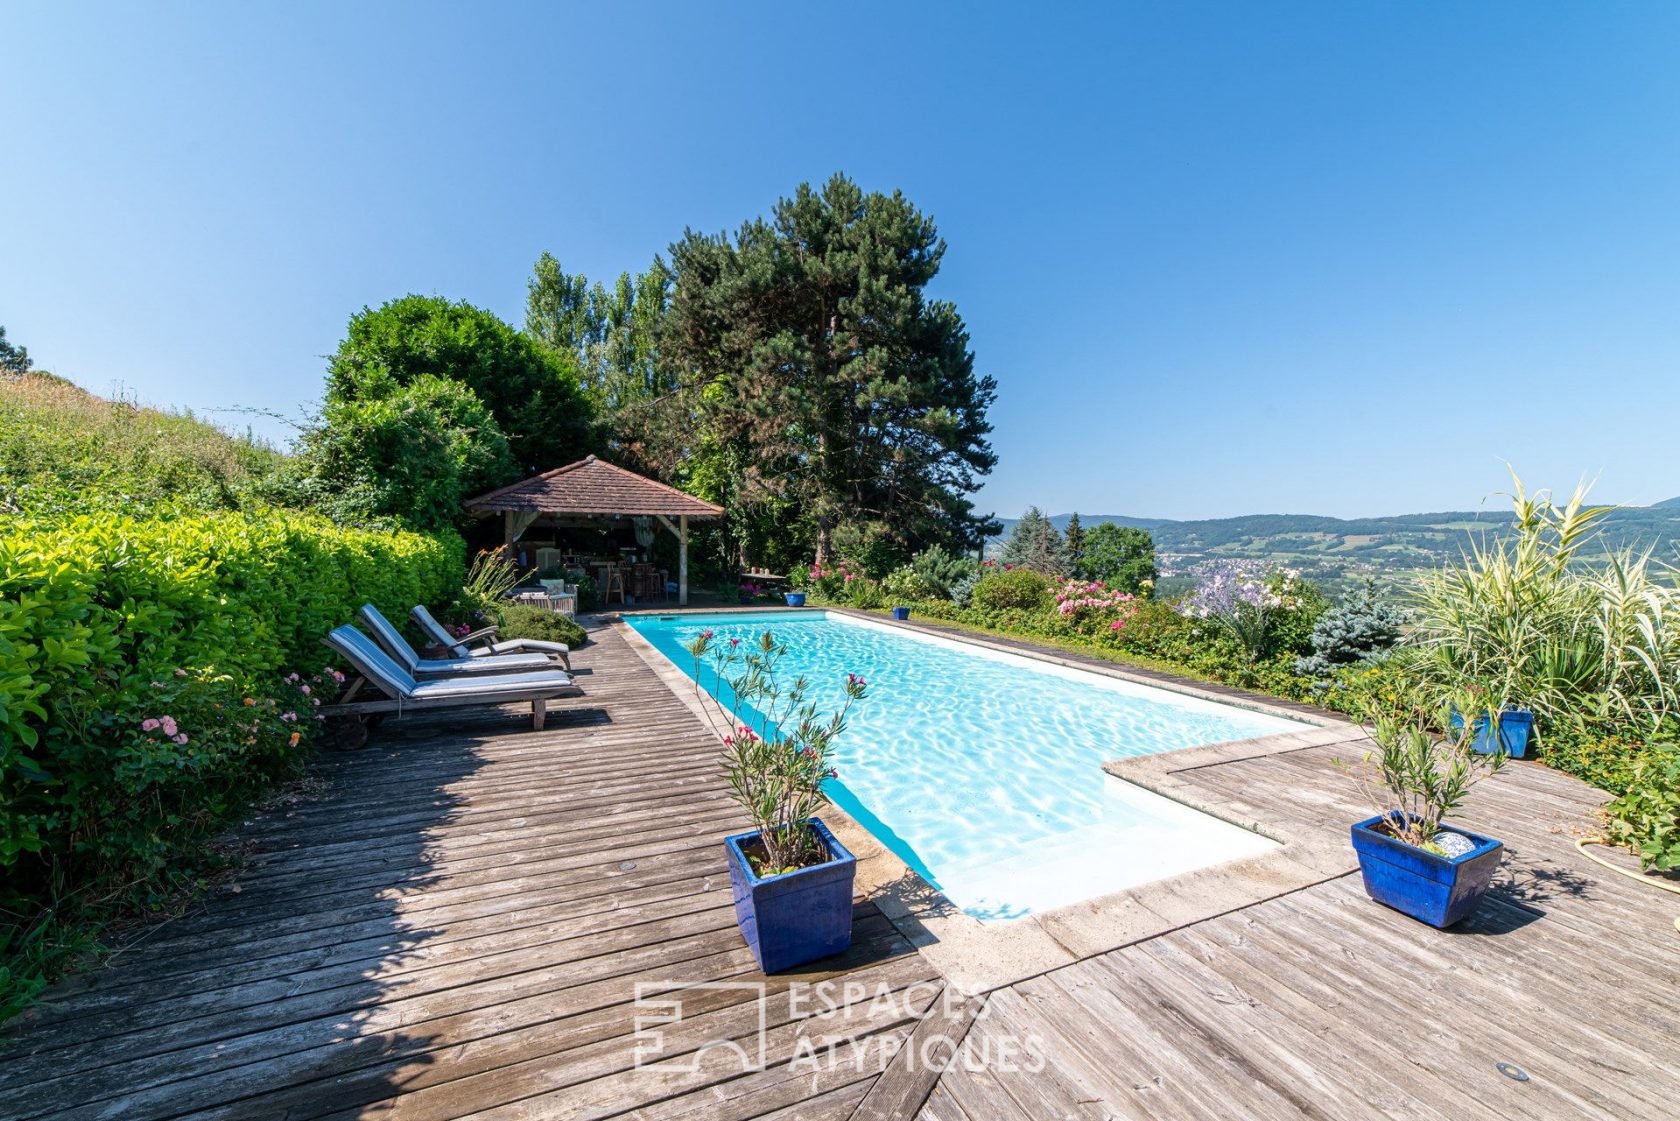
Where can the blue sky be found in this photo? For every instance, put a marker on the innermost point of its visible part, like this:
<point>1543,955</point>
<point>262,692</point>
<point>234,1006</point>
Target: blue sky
<point>1339,258</point>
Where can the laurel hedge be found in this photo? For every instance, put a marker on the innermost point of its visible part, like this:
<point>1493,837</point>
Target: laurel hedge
<point>156,673</point>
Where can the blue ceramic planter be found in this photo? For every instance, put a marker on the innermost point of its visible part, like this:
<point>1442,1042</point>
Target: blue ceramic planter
<point>1514,725</point>
<point>798,916</point>
<point>1430,888</point>
<point>796,599</point>
<point>901,613</point>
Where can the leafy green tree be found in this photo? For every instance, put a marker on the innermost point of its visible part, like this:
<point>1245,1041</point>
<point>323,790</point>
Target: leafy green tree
<point>533,393</point>
<point>612,335</point>
<point>1121,556</point>
<point>808,341</point>
<point>411,453</point>
<point>14,359</point>
<point>1035,544</point>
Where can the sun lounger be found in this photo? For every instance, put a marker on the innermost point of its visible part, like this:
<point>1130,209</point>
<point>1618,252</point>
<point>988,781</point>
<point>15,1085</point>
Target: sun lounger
<point>403,693</point>
<point>424,669</point>
<point>462,646</point>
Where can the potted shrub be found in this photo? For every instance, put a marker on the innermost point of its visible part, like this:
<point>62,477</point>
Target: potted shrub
<point>1408,858</point>
<point>795,594</point>
<point>903,586</point>
<point>791,878</point>
<point>1507,732</point>
<point>796,599</point>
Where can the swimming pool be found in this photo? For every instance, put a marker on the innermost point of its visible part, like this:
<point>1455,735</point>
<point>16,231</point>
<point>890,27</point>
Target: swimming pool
<point>982,770</point>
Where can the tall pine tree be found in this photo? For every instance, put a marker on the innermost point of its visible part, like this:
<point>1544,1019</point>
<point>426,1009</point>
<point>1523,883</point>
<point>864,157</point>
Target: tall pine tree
<point>1073,542</point>
<point>807,346</point>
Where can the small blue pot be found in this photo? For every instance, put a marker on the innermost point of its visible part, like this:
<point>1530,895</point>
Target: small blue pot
<point>797,916</point>
<point>1514,725</point>
<point>901,613</point>
<point>796,599</point>
<point>1429,888</point>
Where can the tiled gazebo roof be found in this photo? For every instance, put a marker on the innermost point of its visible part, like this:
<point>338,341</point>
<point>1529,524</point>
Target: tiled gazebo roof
<point>590,486</point>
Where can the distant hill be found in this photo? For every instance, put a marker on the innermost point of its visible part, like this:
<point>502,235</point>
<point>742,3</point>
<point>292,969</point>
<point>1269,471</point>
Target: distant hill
<point>1667,503</point>
<point>1337,553</point>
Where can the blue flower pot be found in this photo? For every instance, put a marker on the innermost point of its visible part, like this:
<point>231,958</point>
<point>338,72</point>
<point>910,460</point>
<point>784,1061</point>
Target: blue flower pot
<point>1514,725</point>
<point>797,916</point>
<point>901,613</point>
<point>1430,888</point>
<point>796,599</point>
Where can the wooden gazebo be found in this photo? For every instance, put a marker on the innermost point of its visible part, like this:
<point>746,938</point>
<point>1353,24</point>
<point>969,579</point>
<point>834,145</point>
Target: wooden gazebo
<point>590,494</point>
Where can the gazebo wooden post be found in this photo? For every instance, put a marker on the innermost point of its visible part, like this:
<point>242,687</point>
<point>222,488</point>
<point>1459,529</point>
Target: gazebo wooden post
<point>507,537</point>
<point>682,560</point>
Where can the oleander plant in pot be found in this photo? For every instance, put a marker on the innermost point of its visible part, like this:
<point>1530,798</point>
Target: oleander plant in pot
<point>791,878</point>
<point>1424,767</point>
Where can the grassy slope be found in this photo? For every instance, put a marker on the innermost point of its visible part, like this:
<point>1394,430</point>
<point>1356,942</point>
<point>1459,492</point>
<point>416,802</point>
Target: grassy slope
<point>58,442</point>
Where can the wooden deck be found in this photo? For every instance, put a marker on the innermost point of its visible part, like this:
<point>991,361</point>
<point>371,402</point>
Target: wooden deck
<point>1322,1004</point>
<point>457,926</point>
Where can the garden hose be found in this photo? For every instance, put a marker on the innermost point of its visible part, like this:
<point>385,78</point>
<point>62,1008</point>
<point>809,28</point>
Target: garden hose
<point>1675,888</point>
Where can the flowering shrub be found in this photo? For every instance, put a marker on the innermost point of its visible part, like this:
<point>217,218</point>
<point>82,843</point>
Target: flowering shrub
<point>1244,600</point>
<point>96,805</point>
<point>1076,597</point>
<point>904,585</point>
<point>833,580</point>
<point>779,750</point>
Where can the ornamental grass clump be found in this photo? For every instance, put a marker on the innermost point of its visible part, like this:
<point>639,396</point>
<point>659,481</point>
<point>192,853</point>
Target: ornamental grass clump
<point>1555,631</point>
<point>780,746</point>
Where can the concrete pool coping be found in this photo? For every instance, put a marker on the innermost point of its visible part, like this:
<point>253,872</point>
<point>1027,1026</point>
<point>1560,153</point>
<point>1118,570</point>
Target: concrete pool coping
<point>976,957</point>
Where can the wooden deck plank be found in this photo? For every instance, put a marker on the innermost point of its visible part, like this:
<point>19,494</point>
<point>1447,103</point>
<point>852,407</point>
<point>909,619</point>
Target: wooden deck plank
<point>455,926</point>
<point>458,923</point>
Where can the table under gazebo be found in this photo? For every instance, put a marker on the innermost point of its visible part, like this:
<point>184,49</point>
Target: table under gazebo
<point>593,495</point>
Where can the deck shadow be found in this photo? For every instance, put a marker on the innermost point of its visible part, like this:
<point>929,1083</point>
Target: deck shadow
<point>277,989</point>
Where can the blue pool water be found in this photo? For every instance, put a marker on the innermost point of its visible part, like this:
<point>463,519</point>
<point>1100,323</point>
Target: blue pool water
<point>983,770</point>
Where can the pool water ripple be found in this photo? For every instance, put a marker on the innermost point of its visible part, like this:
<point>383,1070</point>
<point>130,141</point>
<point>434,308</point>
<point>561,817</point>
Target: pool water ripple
<point>983,770</point>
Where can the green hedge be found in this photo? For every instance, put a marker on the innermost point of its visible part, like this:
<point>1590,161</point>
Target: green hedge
<point>124,644</point>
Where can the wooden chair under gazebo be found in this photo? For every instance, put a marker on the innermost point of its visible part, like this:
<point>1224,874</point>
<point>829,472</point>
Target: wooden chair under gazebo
<point>591,494</point>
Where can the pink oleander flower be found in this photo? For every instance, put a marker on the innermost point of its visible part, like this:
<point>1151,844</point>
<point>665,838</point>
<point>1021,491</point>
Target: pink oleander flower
<point>168,725</point>
<point>150,725</point>
<point>305,689</point>
<point>180,673</point>
<point>180,739</point>
<point>289,717</point>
